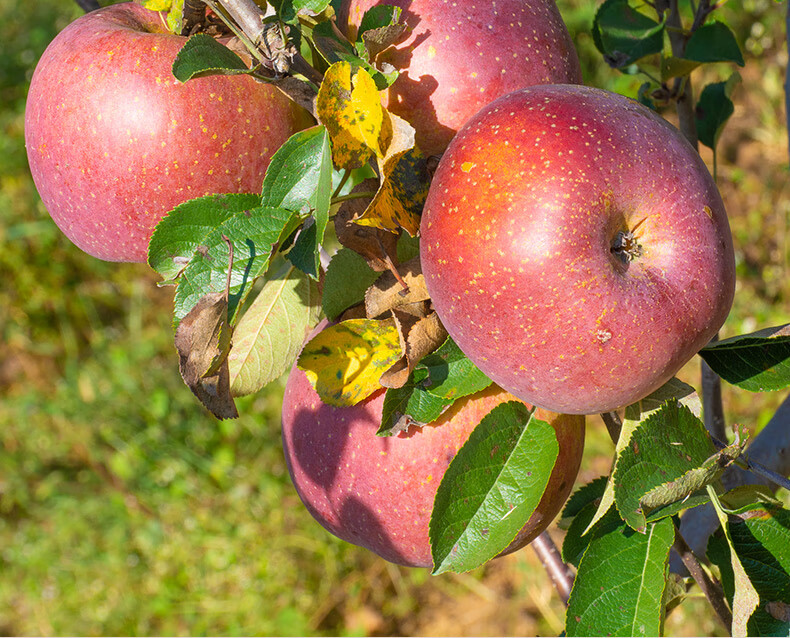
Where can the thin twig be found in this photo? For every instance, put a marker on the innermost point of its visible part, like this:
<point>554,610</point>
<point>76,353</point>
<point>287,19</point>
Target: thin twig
<point>558,571</point>
<point>711,588</point>
<point>787,77</point>
<point>88,5</point>
<point>613,424</point>
<point>745,463</point>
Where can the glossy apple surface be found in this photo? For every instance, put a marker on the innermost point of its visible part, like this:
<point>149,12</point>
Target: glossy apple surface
<point>576,248</point>
<point>378,492</point>
<point>114,141</point>
<point>459,56</point>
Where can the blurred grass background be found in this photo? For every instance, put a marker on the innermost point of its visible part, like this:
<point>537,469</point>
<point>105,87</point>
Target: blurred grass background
<point>126,509</point>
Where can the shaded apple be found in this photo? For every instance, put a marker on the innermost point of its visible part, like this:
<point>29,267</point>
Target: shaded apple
<point>114,141</point>
<point>576,248</point>
<point>378,492</point>
<point>459,56</point>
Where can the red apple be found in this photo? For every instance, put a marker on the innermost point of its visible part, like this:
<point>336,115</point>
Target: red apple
<point>114,141</point>
<point>459,56</point>
<point>576,248</point>
<point>378,492</point>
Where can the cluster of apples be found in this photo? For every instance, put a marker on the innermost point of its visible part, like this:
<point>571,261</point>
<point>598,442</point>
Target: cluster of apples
<point>573,243</point>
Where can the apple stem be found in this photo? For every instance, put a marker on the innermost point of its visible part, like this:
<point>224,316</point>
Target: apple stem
<point>559,573</point>
<point>357,195</point>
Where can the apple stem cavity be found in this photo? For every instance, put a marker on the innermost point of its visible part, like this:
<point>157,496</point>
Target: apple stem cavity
<point>626,247</point>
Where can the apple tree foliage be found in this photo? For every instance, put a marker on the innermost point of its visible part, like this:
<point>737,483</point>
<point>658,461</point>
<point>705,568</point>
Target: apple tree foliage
<point>252,278</point>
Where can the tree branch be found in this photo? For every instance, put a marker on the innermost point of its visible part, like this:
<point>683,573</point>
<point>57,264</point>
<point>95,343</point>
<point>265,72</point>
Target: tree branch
<point>249,18</point>
<point>558,571</point>
<point>88,5</point>
<point>787,78</point>
<point>613,424</point>
<point>771,449</point>
<point>711,588</point>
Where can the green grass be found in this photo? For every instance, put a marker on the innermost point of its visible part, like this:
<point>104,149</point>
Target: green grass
<point>126,509</point>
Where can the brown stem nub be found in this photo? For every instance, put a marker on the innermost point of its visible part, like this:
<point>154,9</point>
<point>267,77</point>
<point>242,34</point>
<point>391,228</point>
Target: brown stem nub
<point>194,16</point>
<point>558,571</point>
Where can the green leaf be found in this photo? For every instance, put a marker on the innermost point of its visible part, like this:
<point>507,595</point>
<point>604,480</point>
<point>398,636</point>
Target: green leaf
<point>451,375</point>
<point>714,42</point>
<point>178,236</point>
<point>254,234</point>
<point>383,15</point>
<point>619,588</point>
<point>175,17</point>
<point>407,406</point>
<point>203,55</point>
<point>624,35</point>
<point>758,362</point>
<point>304,252</point>
<point>347,278</point>
<point>299,178</point>
<point>270,333</point>
<point>672,389</point>
<point>745,598</point>
<point>760,535</point>
<point>380,27</point>
<point>580,509</point>
<point>313,7</point>
<point>491,487</point>
<point>670,456</point>
<point>334,48</point>
<point>714,108</point>
<point>672,67</point>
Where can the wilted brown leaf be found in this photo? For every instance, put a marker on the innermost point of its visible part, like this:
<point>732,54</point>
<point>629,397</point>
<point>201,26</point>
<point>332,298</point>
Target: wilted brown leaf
<point>203,343</point>
<point>388,291</point>
<point>381,38</point>
<point>418,336</point>
<point>378,247</point>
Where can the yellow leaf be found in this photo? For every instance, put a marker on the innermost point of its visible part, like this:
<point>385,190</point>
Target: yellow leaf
<point>405,180</point>
<point>349,105</point>
<point>156,5</point>
<point>345,361</point>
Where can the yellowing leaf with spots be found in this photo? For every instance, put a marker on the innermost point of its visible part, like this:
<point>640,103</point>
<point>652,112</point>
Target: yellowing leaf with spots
<point>156,5</point>
<point>349,106</point>
<point>405,180</point>
<point>345,361</point>
<point>175,9</point>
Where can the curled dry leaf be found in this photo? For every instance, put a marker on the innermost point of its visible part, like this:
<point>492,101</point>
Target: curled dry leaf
<point>378,247</point>
<point>203,343</point>
<point>419,336</point>
<point>401,287</point>
<point>404,180</point>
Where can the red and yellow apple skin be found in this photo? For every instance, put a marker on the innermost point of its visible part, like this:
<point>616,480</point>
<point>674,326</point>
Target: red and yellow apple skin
<point>378,492</point>
<point>576,248</point>
<point>114,141</point>
<point>459,56</point>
